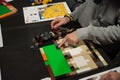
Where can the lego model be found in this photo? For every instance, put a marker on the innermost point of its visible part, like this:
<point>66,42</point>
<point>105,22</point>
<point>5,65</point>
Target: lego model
<point>67,60</point>
<point>70,60</point>
<point>6,9</point>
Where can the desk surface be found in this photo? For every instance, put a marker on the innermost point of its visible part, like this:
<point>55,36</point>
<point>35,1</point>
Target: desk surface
<point>18,60</point>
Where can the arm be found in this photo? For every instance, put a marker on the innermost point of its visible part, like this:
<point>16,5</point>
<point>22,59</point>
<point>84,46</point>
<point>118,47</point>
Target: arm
<point>100,35</point>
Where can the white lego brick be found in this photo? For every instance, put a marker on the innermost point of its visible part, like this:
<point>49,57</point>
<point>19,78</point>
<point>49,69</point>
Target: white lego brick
<point>74,51</point>
<point>101,58</point>
<point>80,61</point>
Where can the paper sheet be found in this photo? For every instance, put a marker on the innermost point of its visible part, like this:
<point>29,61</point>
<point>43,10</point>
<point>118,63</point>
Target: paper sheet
<point>39,13</point>
<point>1,41</point>
<point>0,74</point>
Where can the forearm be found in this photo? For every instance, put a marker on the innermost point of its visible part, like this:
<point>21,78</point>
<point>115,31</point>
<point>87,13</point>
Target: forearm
<point>100,35</point>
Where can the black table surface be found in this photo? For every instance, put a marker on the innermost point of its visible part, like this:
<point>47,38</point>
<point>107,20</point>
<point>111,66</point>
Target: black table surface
<point>19,60</point>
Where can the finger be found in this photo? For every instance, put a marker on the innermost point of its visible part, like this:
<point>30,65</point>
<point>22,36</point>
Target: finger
<point>52,24</point>
<point>63,41</point>
<point>72,42</point>
<point>57,25</point>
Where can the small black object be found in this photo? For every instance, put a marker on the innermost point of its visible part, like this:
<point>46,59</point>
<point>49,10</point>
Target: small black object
<point>68,56</point>
<point>56,45</point>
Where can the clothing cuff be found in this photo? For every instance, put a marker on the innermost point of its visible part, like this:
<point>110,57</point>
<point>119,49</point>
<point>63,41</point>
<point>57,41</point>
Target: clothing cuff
<point>69,16</point>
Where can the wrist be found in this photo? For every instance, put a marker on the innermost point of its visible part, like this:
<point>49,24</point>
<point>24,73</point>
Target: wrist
<point>69,17</point>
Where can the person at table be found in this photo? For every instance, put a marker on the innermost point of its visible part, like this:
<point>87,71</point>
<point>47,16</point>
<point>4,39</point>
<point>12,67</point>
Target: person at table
<point>100,23</point>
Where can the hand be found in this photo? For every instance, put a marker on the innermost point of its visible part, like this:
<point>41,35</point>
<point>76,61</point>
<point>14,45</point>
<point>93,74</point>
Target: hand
<point>71,38</point>
<point>111,76</point>
<point>59,22</point>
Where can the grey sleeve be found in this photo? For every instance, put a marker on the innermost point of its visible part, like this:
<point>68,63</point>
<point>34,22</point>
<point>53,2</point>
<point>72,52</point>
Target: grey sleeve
<point>75,14</point>
<point>84,10</point>
<point>100,35</point>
